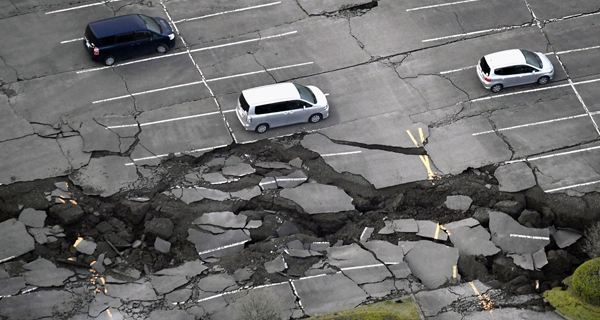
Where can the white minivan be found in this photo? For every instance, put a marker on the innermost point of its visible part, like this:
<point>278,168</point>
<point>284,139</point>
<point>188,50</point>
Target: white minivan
<point>279,105</point>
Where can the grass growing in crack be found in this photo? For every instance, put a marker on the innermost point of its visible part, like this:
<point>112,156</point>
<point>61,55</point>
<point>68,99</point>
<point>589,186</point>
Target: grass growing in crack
<point>404,309</point>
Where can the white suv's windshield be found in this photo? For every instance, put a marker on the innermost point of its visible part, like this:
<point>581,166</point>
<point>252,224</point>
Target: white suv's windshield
<point>151,24</point>
<point>306,94</point>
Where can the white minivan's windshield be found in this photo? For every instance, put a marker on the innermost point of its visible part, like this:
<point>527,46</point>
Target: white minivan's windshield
<point>306,94</point>
<point>532,58</point>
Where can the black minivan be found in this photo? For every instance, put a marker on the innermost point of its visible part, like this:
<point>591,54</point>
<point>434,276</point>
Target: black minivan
<point>127,36</point>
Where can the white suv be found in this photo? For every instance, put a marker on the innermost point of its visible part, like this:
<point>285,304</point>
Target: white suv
<point>280,104</point>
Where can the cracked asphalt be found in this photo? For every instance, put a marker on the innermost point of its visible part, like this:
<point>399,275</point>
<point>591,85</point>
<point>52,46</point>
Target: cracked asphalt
<point>406,109</point>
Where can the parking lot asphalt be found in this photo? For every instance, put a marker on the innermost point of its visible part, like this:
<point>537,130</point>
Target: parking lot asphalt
<point>412,60</point>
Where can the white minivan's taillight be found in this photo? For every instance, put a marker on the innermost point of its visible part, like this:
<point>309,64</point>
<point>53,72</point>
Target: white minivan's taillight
<point>96,51</point>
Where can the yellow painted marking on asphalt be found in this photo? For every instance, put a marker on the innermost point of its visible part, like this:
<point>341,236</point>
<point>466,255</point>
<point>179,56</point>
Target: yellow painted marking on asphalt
<point>424,158</point>
<point>485,300</point>
<point>454,272</point>
<point>437,231</point>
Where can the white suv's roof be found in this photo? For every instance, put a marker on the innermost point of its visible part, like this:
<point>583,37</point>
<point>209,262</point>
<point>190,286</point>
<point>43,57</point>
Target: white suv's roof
<point>501,59</point>
<point>271,93</point>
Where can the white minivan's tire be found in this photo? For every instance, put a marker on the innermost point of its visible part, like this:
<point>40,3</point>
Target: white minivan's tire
<point>315,118</point>
<point>543,80</point>
<point>261,128</point>
<point>497,88</point>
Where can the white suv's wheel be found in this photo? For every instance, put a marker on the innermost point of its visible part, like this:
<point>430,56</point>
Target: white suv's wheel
<point>315,118</point>
<point>543,80</point>
<point>262,128</point>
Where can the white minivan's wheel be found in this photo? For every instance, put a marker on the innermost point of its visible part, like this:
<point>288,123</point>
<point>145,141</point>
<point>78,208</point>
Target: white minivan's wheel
<point>109,61</point>
<point>262,128</point>
<point>543,80</point>
<point>315,118</point>
<point>497,88</point>
<point>161,48</point>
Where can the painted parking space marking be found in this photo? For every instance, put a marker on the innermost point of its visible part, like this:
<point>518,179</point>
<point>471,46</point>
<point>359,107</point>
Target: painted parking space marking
<point>257,39</point>
<point>424,158</point>
<point>553,155</point>
<point>457,70</point>
<point>585,184</point>
<point>82,6</point>
<point>162,121</point>
<point>193,83</point>
<point>472,33</point>
<point>341,153</point>
<point>229,11</point>
<point>524,236</point>
<point>531,124</point>
<point>237,244</point>
<point>440,5</point>
<point>71,40</point>
<point>175,154</point>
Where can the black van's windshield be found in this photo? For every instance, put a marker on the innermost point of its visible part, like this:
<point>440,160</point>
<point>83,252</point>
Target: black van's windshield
<point>150,24</point>
<point>306,94</point>
<point>484,66</point>
<point>243,103</point>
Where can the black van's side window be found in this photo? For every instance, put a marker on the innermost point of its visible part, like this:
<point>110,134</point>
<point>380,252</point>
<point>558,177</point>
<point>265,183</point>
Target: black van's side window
<point>142,35</point>
<point>127,37</point>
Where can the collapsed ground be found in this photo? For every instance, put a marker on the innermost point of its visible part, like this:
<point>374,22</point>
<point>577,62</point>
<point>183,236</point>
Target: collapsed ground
<point>283,235</point>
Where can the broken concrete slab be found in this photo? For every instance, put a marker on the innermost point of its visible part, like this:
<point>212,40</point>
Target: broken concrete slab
<point>512,237</point>
<point>431,230</point>
<point>38,304</point>
<point>564,237</point>
<point>179,296</point>
<point>268,183</point>
<point>472,241</point>
<point>328,294</point>
<point>47,276</point>
<point>215,178</point>
<point>316,198</point>
<point>190,195</point>
<point>238,170</point>
<point>434,301</point>
<point>368,274</point>
<point>131,291</point>
<point>247,193</point>
<point>189,269</point>
<point>105,176</point>
<point>13,232</point>
<point>458,203</point>
<point>170,314</point>
<point>33,218</point>
<point>379,289</point>
<point>222,219</point>
<point>468,222</point>
<point>39,234</point>
<point>515,177</point>
<point>216,283</point>
<point>102,302</point>
<point>162,246</point>
<point>166,284</point>
<point>213,245</point>
<point>385,251</point>
<point>276,265</point>
<point>351,255</point>
<point>400,270</point>
<point>272,165</point>
<point>437,272</point>
<point>292,180</point>
<point>85,246</point>
<point>399,225</point>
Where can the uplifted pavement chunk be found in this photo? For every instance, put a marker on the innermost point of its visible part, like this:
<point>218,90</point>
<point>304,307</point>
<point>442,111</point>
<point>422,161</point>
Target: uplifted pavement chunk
<point>514,177</point>
<point>238,170</point>
<point>209,245</point>
<point>189,195</point>
<point>434,264</point>
<point>132,291</point>
<point>385,251</point>
<point>105,176</point>
<point>512,237</point>
<point>431,230</point>
<point>434,301</point>
<point>399,225</point>
<point>472,241</point>
<point>458,203</point>
<point>351,255</point>
<point>189,269</point>
<point>565,237</point>
<point>327,294</point>
<point>33,218</point>
<point>223,219</point>
<point>13,232</point>
<point>276,265</point>
<point>10,286</point>
<point>43,273</point>
<point>317,198</point>
<point>166,284</point>
<point>170,315</point>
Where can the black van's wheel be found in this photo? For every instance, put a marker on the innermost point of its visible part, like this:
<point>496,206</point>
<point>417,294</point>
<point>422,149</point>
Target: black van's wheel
<point>497,88</point>
<point>543,80</point>
<point>109,61</point>
<point>315,118</point>
<point>161,48</point>
<point>262,128</point>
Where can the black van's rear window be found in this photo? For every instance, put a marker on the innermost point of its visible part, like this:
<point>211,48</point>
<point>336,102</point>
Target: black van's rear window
<point>243,103</point>
<point>484,66</point>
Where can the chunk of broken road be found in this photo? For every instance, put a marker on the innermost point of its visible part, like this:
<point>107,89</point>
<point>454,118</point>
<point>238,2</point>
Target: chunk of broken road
<point>13,232</point>
<point>315,198</point>
<point>434,264</point>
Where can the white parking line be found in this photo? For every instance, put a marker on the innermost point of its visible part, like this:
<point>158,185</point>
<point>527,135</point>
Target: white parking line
<point>192,51</point>
<point>573,186</point>
<point>163,121</point>
<point>82,6</point>
<point>223,247</point>
<point>458,70</point>
<point>524,236</point>
<point>552,155</point>
<point>497,96</point>
<point>535,123</point>
<point>340,153</point>
<point>175,153</point>
<point>459,35</point>
<point>229,11</point>
<point>71,40</point>
<point>134,94</point>
<point>578,50</point>
<point>440,5</point>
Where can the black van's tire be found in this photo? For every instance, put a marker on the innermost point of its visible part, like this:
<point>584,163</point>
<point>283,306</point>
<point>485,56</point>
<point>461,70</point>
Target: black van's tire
<point>315,118</point>
<point>497,88</point>
<point>543,80</point>
<point>261,128</point>
<point>109,61</point>
<point>161,48</point>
